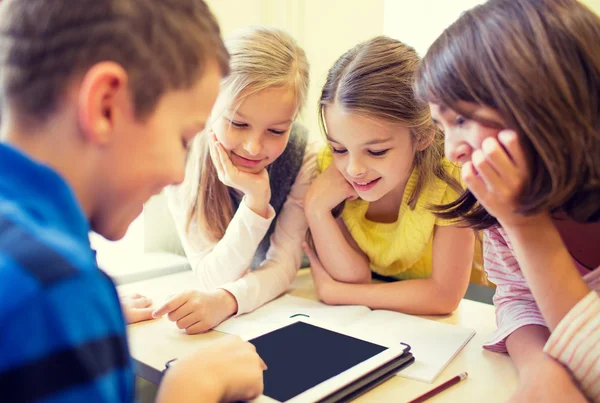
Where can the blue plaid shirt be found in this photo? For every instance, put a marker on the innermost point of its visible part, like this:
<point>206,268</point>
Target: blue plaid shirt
<point>62,335</point>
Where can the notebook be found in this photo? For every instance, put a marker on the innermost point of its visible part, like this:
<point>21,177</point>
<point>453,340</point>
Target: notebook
<point>433,344</point>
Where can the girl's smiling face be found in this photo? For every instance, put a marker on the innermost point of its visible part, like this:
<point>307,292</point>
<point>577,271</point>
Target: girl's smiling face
<point>256,132</point>
<point>374,155</point>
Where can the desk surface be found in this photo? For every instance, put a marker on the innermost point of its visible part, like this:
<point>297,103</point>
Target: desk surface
<point>492,376</point>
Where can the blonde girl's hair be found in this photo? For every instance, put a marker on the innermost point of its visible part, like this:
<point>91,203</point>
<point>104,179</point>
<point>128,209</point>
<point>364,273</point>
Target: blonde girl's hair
<point>260,58</point>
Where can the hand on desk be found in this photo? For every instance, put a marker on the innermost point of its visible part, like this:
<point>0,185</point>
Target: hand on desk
<point>196,311</point>
<point>136,308</point>
<point>226,370</point>
<point>547,381</point>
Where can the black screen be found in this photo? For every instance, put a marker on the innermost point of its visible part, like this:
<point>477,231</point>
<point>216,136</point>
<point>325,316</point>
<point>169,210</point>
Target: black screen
<point>300,356</point>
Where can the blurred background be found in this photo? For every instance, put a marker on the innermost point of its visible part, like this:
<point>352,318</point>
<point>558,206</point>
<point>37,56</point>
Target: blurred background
<point>325,29</point>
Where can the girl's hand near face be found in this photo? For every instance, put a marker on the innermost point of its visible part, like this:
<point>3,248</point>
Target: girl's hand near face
<point>496,175</point>
<point>255,186</point>
<point>327,191</point>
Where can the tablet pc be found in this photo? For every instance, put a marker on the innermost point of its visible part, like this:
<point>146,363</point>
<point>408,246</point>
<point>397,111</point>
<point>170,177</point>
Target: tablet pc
<point>371,380</point>
<point>309,363</point>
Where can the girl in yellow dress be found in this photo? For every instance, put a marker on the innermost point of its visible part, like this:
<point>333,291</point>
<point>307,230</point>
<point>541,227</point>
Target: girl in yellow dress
<point>384,167</point>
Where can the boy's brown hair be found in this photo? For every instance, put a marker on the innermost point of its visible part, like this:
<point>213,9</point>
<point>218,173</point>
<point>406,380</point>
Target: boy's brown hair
<point>163,45</point>
<point>536,62</point>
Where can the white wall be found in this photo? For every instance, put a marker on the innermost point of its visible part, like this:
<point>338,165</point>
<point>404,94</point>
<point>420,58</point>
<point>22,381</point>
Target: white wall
<point>329,29</point>
<point>594,5</point>
<point>419,23</point>
<point>324,28</point>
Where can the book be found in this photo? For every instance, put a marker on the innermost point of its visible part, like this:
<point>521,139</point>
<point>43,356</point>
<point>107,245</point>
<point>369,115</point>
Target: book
<point>433,344</point>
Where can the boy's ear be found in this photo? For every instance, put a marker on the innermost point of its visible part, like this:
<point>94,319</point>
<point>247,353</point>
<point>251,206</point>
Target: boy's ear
<point>426,141</point>
<point>102,95</point>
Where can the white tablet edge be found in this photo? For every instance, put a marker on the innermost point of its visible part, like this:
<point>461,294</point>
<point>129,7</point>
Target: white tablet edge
<point>338,382</point>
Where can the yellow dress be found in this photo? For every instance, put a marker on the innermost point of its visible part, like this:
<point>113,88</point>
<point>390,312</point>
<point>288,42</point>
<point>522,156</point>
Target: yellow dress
<point>402,249</point>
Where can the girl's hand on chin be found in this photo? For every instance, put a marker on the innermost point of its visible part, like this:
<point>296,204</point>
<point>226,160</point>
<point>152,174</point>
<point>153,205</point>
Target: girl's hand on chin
<point>328,190</point>
<point>255,186</point>
<point>497,175</point>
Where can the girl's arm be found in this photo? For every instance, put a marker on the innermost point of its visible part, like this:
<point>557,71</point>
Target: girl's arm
<point>453,249</point>
<point>284,256</point>
<point>514,304</point>
<point>570,309</point>
<point>541,377</point>
<point>497,175</point>
<point>576,344</point>
<point>547,265</point>
<point>525,346</point>
<point>522,331</point>
<point>218,263</point>
<point>336,249</point>
<point>197,311</point>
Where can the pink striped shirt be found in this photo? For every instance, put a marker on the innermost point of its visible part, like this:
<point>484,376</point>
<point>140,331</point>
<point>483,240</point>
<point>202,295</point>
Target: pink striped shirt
<point>575,341</point>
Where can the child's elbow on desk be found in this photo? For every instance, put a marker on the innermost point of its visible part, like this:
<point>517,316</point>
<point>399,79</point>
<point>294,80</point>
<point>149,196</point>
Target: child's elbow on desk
<point>445,305</point>
<point>362,276</point>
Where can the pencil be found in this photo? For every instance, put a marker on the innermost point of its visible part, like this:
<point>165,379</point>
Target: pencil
<point>440,388</point>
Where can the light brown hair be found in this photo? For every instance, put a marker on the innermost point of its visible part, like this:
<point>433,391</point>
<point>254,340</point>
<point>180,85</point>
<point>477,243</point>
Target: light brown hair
<point>375,78</point>
<point>536,62</point>
<point>261,58</point>
<point>47,44</point>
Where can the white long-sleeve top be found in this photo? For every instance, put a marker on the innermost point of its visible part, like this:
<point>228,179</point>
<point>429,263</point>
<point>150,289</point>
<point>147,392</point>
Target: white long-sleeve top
<point>226,264</point>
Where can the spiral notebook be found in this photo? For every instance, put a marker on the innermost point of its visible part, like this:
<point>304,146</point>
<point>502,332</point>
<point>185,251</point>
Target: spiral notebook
<point>433,344</point>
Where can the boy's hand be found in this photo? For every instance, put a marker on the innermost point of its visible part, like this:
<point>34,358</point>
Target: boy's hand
<point>547,381</point>
<point>196,311</point>
<point>496,175</point>
<point>329,189</point>
<point>226,370</point>
<point>255,186</point>
<point>136,308</point>
<point>325,285</point>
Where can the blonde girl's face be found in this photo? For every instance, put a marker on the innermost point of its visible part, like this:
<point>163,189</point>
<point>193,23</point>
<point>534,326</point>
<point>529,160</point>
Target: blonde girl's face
<point>465,135</point>
<point>374,155</point>
<point>256,132</point>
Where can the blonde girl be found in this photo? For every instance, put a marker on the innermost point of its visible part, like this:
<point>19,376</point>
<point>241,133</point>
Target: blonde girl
<point>239,212</point>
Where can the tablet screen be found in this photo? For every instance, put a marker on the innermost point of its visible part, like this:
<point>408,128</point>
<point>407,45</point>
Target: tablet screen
<point>300,356</point>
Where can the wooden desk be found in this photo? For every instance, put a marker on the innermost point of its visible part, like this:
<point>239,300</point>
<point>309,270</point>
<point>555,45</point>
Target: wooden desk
<point>492,376</point>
